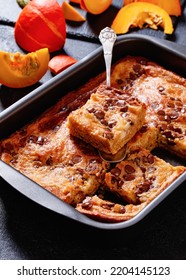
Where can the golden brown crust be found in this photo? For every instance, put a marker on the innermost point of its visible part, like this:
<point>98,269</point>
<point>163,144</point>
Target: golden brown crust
<point>164,94</point>
<point>104,210</point>
<point>108,120</point>
<point>141,177</point>
<point>47,153</point>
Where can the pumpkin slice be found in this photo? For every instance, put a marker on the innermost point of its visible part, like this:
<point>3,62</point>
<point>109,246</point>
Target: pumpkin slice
<point>70,13</point>
<point>139,14</point>
<point>60,62</point>
<point>95,7</point>
<point>172,7</point>
<point>21,70</point>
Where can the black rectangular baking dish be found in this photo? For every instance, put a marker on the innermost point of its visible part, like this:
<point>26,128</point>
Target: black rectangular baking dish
<point>166,53</point>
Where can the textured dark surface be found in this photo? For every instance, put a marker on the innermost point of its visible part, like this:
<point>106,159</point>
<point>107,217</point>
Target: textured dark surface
<point>29,231</point>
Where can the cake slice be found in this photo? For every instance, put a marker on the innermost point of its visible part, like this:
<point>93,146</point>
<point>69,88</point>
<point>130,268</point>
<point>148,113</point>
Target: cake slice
<point>141,177</point>
<point>163,92</point>
<point>108,120</point>
<point>108,211</point>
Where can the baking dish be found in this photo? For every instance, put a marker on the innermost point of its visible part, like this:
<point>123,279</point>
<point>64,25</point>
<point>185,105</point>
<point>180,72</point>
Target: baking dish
<point>168,54</point>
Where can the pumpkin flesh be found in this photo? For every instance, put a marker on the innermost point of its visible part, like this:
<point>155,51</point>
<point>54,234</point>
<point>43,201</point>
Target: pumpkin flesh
<point>18,70</point>
<point>142,15</point>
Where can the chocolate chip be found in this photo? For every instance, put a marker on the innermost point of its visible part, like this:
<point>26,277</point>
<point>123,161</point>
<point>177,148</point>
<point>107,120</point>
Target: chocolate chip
<point>163,126</point>
<point>143,129</point>
<point>167,134</point>
<point>76,159</point>
<point>114,180</point>
<point>143,169</point>
<point>178,103</point>
<point>130,122</point>
<point>56,128</point>
<point>137,161</point>
<point>80,171</point>
<point>13,161</point>
<point>129,169</point>
<point>167,118</point>
<point>161,88</point>
<point>112,123</point>
<point>161,113</point>
<point>174,115</point>
<point>91,166</point>
<point>87,203</point>
<point>170,104</point>
<point>129,177</point>
<point>91,110</point>
<point>178,130</point>
<point>119,81</point>
<point>41,140</point>
<point>122,210</point>
<point>120,183</point>
<point>108,134</point>
<point>120,103</point>
<point>99,114</point>
<point>107,206</point>
<point>116,171</point>
<point>104,122</point>
<point>37,163</point>
<point>124,109</point>
<point>132,76</point>
<point>171,142</point>
<point>49,161</point>
<point>144,187</point>
<point>144,159</point>
<point>150,159</point>
<point>117,91</point>
<point>32,139</point>
<point>137,68</point>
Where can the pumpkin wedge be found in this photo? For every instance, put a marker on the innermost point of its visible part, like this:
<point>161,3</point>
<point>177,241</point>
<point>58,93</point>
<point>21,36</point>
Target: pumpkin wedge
<point>70,13</point>
<point>142,14</point>
<point>21,70</point>
<point>172,7</point>
<point>60,62</point>
<point>95,7</point>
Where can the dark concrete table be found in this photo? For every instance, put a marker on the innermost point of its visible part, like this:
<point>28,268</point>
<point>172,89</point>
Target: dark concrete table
<point>29,231</point>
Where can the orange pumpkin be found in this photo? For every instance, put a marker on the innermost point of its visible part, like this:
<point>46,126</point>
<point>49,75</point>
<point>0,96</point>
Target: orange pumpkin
<point>41,24</point>
<point>95,7</point>
<point>21,70</point>
<point>172,7</point>
<point>142,14</point>
<point>70,13</point>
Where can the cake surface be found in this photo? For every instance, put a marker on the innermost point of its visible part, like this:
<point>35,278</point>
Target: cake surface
<point>47,153</point>
<point>108,120</point>
<point>141,177</point>
<point>164,94</point>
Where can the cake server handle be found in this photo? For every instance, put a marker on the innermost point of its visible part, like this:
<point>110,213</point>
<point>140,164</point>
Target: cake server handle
<point>107,38</point>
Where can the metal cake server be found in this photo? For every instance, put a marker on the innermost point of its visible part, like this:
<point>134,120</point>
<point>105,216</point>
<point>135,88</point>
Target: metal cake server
<point>107,38</point>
